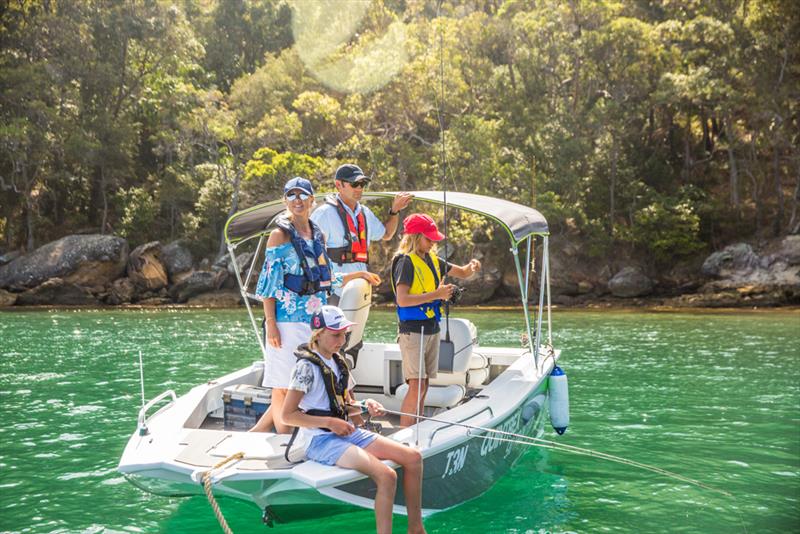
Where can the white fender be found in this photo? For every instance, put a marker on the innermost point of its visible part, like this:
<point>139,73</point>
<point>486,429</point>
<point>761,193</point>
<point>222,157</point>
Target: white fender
<point>559,400</point>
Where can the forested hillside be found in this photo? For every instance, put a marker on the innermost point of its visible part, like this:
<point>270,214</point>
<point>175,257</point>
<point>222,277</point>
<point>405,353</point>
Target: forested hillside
<point>666,127</point>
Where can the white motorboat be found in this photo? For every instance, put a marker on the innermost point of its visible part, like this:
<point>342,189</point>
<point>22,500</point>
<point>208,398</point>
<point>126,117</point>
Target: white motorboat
<point>489,388</point>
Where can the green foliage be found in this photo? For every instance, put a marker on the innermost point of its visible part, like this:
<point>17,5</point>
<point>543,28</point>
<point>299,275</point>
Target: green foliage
<point>668,228</point>
<point>268,170</point>
<point>207,221</point>
<point>139,213</point>
<point>604,115</point>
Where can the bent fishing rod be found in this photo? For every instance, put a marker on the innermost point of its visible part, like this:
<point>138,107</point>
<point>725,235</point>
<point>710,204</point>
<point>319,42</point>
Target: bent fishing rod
<point>521,439</point>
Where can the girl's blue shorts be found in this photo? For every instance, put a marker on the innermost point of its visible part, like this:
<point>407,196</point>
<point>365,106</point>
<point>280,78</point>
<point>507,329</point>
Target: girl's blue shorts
<point>327,448</point>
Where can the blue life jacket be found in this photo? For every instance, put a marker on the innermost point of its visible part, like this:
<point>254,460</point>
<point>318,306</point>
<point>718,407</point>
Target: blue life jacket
<point>317,275</point>
<point>425,281</point>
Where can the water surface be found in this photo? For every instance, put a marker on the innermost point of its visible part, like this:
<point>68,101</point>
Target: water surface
<point>715,397</point>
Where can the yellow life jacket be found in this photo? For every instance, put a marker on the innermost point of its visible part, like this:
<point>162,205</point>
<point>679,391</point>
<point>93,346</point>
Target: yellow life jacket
<point>425,281</point>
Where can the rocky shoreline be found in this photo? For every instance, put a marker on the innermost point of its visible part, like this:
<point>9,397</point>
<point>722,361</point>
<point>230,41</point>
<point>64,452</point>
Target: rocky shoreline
<point>99,271</point>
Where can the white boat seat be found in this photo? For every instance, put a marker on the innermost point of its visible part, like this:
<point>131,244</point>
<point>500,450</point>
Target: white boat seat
<point>464,336</point>
<point>470,369</point>
<point>206,448</point>
<point>437,396</point>
<point>355,302</point>
<point>472,379</point>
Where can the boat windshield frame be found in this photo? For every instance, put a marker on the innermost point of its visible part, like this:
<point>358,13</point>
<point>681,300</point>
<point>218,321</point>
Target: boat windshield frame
<point>522,238</point>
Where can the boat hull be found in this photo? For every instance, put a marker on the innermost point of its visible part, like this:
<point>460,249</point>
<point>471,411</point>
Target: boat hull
<point>455,473</point>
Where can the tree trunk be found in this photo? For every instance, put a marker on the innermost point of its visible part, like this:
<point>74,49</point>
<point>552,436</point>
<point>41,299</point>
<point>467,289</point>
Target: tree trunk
<point>687,149</point>
<point>706,134</point>
<point>613,185</point>
<point>104,197</point>
<point>734,172</point>
<point>777,224</point>
<point>794,224</point>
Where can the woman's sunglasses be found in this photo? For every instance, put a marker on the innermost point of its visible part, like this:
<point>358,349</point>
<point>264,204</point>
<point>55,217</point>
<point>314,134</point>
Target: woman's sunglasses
<point>291,197</point>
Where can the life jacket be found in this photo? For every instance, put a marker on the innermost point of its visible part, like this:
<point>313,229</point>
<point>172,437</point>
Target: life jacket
<point>355,235</point>
<point>425,281</point>
<point>336,389</point>
<point>316,277</point>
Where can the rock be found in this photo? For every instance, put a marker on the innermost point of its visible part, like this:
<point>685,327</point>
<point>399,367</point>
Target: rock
<point>8,257</point>
<point>716,296</point>
<point>737,260</point>
<point>122,291</point>
<point>790,249</point>
<point>154,301</point>
<point>57,291</point>
<point>145,269</point>
<point>196,283</point>
<point>217,299</point>
<point>585,287</point>
<point>630,282</point>
<point>86,260</point>
<point>178,261</point>
<point>480,286</point>
<point>7,298</point>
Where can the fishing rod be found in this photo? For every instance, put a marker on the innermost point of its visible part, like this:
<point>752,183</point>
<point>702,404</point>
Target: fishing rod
<point>521,439</point>
<point>446,346</point>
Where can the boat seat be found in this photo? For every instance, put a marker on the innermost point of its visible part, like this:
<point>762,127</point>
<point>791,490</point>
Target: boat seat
<point>437,396</point>
<point>469,368</point>
<point>355,302</point>
<point>206,448</point>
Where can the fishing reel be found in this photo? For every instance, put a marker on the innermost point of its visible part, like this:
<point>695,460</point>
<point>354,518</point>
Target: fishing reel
<point>458,292</point>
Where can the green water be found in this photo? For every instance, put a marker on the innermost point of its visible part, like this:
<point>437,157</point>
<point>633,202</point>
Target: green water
<point>713,397</point>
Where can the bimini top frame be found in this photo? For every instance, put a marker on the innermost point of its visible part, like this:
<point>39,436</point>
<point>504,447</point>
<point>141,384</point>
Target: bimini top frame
<point>521,223</point>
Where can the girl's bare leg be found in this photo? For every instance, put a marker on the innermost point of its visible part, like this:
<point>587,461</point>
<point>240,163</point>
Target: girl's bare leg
<point>278,398</point>
<point>409,404</point>
<point>411,461</point>
<point>265,423</point>
<point>383,476</point>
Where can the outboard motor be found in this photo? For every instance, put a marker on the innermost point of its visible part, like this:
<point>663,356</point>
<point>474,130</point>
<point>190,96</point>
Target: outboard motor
<point>559,400</point>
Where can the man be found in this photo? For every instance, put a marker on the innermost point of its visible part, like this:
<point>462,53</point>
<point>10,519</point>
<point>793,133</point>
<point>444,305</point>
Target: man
<point>350,226</point>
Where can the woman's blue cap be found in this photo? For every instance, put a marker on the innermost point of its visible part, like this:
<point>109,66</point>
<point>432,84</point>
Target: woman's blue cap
<point>298,183</point>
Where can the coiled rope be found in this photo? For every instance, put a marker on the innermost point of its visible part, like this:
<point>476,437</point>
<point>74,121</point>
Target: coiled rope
<point>210,495</point>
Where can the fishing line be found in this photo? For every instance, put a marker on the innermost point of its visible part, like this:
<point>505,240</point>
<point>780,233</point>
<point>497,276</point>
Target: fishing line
<point>521,439</point>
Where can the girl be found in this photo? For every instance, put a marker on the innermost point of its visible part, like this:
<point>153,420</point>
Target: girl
<point>417,275</point>
<point>317,402</point>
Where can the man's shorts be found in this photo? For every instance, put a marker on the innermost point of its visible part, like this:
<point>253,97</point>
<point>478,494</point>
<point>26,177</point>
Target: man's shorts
<point>409,349</point>
<point>327,448</point>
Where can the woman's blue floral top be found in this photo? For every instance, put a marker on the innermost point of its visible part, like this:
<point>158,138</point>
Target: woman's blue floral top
<point>289,306</point>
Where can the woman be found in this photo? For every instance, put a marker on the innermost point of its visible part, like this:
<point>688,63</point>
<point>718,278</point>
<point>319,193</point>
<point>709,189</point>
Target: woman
<point>419,293</point>
<point>318,401</point>
<point>294,283</point>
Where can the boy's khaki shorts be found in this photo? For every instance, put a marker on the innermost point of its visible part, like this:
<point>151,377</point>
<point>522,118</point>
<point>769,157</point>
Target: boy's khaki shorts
<point>409,349</point>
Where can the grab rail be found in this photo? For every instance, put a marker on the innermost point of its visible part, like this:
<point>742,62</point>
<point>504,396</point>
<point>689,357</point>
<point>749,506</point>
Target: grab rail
<point>456,423</point>
<point>143,412</point>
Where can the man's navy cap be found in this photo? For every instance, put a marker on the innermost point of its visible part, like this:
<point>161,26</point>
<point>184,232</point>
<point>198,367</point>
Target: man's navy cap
<point>298,183</point>
<point>350,173</point>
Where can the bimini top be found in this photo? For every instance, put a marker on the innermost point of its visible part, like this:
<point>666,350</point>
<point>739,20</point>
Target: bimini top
<point>518,221</point>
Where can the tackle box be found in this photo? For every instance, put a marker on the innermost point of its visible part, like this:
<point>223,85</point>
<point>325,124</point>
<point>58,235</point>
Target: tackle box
<point>244,405</point>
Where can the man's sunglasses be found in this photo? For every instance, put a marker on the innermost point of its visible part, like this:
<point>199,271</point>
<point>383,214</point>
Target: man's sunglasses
<point>291,197</point>
<point>359,184</point>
